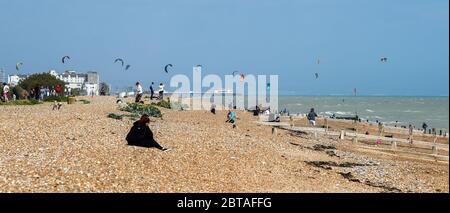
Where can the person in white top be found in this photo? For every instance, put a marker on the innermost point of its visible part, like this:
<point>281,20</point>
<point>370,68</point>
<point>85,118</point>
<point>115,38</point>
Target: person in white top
<point>161,91</point>
<point>5,92</point>
<point>139,92</point>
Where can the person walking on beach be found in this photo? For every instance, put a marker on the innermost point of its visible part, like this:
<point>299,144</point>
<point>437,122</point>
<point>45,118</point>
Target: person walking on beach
<point>161,91</point>
<point>5,92</point>
<point>312,117</point>
<point>424,127</point>
<point>138,93</point>
<point>141,135</point>
<point>152,91</point>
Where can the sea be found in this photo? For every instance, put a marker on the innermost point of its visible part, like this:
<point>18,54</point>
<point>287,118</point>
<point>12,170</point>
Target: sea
<point>391,111</point>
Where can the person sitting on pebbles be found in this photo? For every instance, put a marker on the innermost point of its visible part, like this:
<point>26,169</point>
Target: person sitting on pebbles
<point>231,118</point>
<point>141,135</point>
<point>57,105</point>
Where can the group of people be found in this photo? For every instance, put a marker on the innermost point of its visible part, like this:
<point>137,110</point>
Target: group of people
<point>38,92</point>
<point>140,92</point>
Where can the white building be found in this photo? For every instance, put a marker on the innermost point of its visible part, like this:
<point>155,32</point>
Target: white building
<point>92,83</point>
<point>89,82</point>
<point>13,80</point>
<point>73,80</point>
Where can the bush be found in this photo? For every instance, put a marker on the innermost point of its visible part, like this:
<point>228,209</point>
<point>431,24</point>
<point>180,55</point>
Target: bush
<point>163,104</point>
<point>132,116</point>
<point>115,116</point>
<point>22,102</point>
<point>85,101</point>
<point>141,109</point>
<point>171,105</point>
<point>56,98</point>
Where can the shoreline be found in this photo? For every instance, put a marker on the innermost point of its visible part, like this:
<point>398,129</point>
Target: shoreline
<point>80,149</point>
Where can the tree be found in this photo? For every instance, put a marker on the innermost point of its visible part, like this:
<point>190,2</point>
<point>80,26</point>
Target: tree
<point>104,89</point>
<point>41,79</point>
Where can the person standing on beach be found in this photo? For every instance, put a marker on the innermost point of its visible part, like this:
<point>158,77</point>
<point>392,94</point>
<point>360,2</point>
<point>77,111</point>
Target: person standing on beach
<point>424,127</point>
<point>41,93</point>
<point>138,93</point>
<point>5,92</point>
<point>161,91</point>
<point>152,91</point>
<point>312,117</point>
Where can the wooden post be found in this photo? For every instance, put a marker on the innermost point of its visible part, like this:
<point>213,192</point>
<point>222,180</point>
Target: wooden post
<point>380,129</point>
<point>434,149</point>
<point>326,125</point>
<point>394,145</point>
<point>274,131</point>
<point>411,132</point>
<point>292,121</point>
<point>342,135</point>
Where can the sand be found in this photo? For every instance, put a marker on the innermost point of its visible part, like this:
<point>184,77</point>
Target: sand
<point>79,149</point>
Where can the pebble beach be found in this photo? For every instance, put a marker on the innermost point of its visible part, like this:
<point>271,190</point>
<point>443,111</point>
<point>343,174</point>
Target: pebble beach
<point>80,149</point>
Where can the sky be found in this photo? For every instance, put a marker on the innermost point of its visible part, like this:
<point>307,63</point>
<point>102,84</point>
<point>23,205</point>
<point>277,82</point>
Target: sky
<point>260,37</point>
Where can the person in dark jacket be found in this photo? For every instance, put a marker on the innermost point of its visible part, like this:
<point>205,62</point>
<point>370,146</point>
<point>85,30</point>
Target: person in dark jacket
<point>424,127</point>
<point>312,117</point>
<point>152,91</point>
<point>141,135</point>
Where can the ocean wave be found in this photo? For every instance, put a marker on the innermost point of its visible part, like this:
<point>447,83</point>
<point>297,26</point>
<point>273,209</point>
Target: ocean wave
<point>343,113</point>
<point>369,110</point>
<point>393,122</point>
<point>337,113</point>
<point>376,117</point>
<point>411,111</point>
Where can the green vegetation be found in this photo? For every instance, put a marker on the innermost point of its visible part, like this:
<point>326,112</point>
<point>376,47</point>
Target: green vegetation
<point>40,79</point>
<point>171,105</point>
<point>21,102</point>
<point>163,104</point>
<point>140,109</point>
<point>132,116</point>
<point>115,116</point>
<point>84,101</point>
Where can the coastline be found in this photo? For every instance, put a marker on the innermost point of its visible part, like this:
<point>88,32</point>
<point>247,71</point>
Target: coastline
<point>79,149</point>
